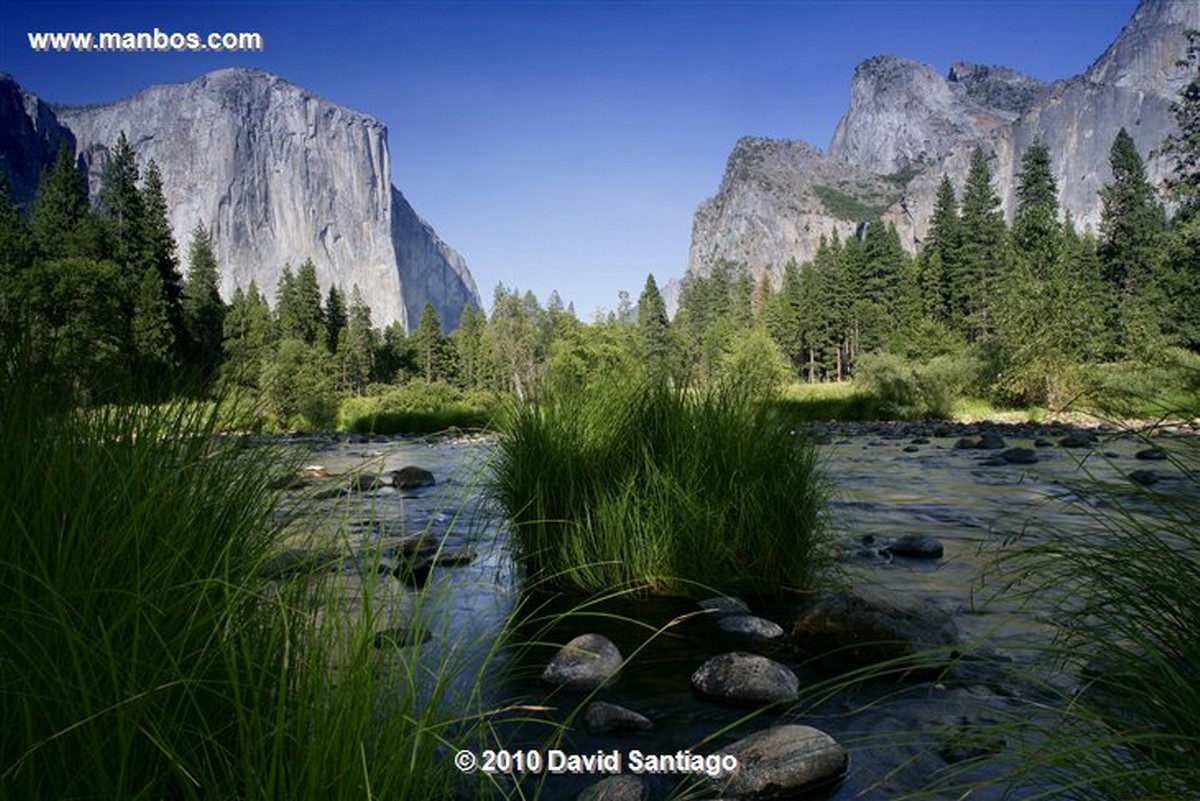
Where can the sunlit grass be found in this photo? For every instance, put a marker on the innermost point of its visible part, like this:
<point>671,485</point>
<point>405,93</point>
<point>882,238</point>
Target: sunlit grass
<point>664,489</point>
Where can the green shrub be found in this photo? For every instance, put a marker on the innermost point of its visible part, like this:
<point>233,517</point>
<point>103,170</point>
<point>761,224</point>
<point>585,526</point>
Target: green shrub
<point>665,490</point>
<point>908,391</point>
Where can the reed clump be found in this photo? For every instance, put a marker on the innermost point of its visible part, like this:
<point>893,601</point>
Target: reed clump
<point>664,489</point>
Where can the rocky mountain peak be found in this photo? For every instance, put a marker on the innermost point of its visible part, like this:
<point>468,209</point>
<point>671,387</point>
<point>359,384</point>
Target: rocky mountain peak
<point>999,88</point>
<point>1144,55</point>
<point>907,126</point>
<point>903,113</point>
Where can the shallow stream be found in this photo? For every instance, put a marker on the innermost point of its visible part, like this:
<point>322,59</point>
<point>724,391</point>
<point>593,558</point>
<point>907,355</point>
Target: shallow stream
<point>886,485</point>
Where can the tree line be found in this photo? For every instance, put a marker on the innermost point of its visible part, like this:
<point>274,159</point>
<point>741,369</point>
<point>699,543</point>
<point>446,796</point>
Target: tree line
<point>104,308</point>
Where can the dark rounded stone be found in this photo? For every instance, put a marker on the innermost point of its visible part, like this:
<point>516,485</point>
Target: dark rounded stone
<point>585,663</point>
<point>724,606</point>
<point>1144,477</point>
<point>1151,454</point>
<point>743,678</point>
<point>601,717</point>
<point>1019,456</point>
<point>750,627</point>
<point>412,478</point>
<point>917,546</point>
<point>911,449</point>
<point>863,627</point>
<point>781,762</point>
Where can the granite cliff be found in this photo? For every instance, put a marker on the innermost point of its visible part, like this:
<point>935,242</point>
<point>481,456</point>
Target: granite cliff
<point>277,174</point>
<point>907,125</point>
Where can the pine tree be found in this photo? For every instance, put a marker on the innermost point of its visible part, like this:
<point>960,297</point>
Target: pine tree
<point>940,254</point>
<point>1184,145</point>
<point>203,310</point>
<point>335,317</point>
<point>1132,227</point>
<point>357,345</point>
<point>429,344</point>
<point>468,342</point>
<point>16,257</point>
<point>158,242</point>
<point>1182,312</point>
<point>299,308</point>
<point>981,264</point>
<point>122,208</point>
<point>61,210</point>
<point>249,336</point>
<point>153,337</point>
<point>654,331</point>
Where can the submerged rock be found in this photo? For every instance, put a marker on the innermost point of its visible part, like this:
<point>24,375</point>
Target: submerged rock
<point>863,627</point>
<point>916,546</point>
<point>782,762</point>
<point>750,627</point>
<point>601,717</point>
<point>743,678</point>
<point>1019,456</point>
<point>1145,477</point>
<point>622,787</point>
<point>412,478</point>
<point>724,606</point>
<point>1151,454</point>
<point>585,663</point>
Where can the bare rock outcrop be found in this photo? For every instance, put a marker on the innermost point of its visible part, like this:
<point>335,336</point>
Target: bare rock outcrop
<point>907,126</point>
<point>278,175</point>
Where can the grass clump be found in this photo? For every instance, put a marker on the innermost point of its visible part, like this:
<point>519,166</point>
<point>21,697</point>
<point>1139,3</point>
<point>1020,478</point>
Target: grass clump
<point>144,653</point>
<point>666,489</point>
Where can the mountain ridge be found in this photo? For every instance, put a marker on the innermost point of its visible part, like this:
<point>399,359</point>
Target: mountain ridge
<point>907,125</point>
<point>278,175</point>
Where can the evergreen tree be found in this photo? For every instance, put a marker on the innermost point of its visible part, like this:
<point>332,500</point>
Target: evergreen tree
<point>468,343</point>
<point>357,345</point>
<point>249,336</point>
<point>158,242</point>
<point>981,264</point>
<point>153,337</point>
<point>512,343</point>
<point>394,358</point>
<point>1184,145</point>
<point>16,257</point>
<point>61,212</point>
<point>1182,312</point>
<point>1132,227</point>
<point>122,208</point>
<point>203,310</point>
<point>430,345</point>
<point>940,254</point>
<point>300,313</point>
<point>335,317</point>
<point>654,331</point>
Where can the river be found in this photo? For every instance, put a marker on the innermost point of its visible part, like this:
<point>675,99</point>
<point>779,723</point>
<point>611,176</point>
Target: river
<point>888,479</point>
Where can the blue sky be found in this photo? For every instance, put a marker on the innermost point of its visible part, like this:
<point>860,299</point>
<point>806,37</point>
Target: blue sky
<point>566,145</point>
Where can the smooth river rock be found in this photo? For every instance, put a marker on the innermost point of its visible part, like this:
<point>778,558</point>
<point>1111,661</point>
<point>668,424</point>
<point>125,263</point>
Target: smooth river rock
<point>916,546</point>
<point>742,678</point>
<point>585,663</point>
<point>601,717</point>
<point>724,606</point>
<point>617,788</point>
<point>750,627</point>
<point>781,762</point>
<point>412,478</point>
<point>861,627</point>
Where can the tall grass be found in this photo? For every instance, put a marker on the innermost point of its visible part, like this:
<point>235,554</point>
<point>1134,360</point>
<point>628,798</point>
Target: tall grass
<point>672,491</point>
<point>142,652</point>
